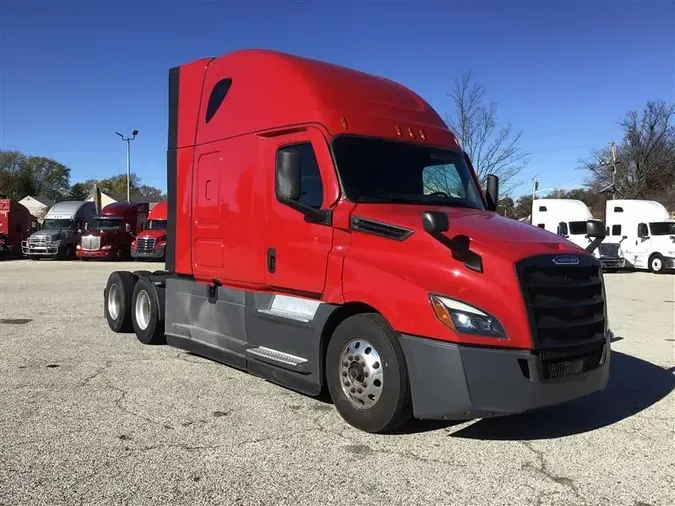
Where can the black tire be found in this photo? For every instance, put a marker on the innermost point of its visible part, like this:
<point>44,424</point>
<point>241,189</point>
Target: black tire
<point>121,284</point>
<point>659,268</point>
<point>150,331</point>
<point>394,406</point>
<point>69,252</point>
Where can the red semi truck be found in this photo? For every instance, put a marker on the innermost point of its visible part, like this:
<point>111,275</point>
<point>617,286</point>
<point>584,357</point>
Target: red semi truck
<point>326,230</point>
<point>150,243</point>
<point>16,224</point>
<point>113,232</point>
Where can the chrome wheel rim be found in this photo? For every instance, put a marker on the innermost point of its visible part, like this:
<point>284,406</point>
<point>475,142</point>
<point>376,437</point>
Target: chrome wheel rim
<point>142,309</point>
<point>114,302</point>
<point>361,373</point>
<point>656,264</point>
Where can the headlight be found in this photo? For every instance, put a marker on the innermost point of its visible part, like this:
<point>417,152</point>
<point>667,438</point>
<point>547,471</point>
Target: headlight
<point>466,319</point>
<point>107,246</point>
<point>55,244</point>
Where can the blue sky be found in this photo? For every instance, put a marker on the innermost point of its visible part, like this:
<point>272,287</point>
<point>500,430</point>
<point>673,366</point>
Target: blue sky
<point>72,73</point>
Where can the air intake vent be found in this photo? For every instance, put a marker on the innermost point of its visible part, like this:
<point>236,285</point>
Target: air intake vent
<point>382,229</point>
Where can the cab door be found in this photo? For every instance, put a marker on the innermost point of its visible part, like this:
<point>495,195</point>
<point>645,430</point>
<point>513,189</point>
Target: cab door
<point>296,250</point>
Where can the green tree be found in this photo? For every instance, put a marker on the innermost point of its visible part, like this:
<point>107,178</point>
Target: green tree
<point>22,175</point>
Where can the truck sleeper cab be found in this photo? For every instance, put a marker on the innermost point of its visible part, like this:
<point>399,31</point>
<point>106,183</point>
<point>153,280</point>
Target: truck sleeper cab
<point>329,232</point>
<point>16,225</point>
<point>150,242</point>
<point>113,231</point>
<point>644,232</point>
<point>60,231</point>
<point>568,218</point>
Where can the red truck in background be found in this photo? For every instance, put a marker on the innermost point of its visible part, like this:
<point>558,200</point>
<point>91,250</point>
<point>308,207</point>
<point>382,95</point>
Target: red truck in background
<point>115,227</point>
<point>326,230</point>
<point>16,224</point>
<point>151,241</point>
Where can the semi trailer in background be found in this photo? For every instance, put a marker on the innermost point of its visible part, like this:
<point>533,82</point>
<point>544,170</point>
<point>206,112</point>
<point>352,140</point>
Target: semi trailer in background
<point>326,231</point>
<point>150,242</point>
<point>113,230</point>
<point>16,225</point>
<point>60,231</point>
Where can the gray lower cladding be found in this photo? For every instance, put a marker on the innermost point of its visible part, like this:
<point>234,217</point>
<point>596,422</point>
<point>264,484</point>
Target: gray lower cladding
<point>274,336</point>
<point>158,253</point>
<point>456,382</point>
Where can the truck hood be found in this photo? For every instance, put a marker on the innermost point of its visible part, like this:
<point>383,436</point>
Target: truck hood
<point>109,235</point>
<point>503,237</point>
<point>157,234</point>
<point>51,234</point>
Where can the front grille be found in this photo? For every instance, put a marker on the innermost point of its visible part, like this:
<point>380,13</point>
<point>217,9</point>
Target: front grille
<point>91,242</point>
<point>608,249</point>
<point>39,240</point>
<point>565,303</point>
<point>145,244</point>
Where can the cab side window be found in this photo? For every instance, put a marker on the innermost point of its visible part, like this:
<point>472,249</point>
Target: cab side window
<point>311,186</point>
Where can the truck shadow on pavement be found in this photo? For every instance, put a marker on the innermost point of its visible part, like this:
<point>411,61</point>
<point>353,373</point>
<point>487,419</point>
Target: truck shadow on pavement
<point>634,385</point>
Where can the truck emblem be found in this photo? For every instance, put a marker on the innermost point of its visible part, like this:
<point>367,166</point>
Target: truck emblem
<point>566,260</point>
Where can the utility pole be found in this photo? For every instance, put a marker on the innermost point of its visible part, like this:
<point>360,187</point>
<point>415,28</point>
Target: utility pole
<point>535,187</point>
<point>128,141</point>
<point>612,155</point>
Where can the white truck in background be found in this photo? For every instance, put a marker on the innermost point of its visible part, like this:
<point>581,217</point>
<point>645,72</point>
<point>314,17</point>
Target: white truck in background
<point>644,231</point>
<point>567,218</point>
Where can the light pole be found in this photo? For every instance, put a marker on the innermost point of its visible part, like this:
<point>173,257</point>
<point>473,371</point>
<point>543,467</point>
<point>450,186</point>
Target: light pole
<point>128,141</point>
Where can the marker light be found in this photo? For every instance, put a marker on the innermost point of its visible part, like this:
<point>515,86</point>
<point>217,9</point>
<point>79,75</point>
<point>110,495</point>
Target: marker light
<point>466,319</point>
<point>344,123</point>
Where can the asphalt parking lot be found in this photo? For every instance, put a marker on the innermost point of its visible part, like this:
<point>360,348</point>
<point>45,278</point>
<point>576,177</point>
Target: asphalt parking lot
<point>92,417</point>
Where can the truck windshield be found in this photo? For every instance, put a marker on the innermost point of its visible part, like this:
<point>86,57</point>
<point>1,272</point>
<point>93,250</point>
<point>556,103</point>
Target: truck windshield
<point>577,227</point>
<point>382,171</point>
<point>663,228</point>
<point>157,224</point>
<point>107,223</point>
<point>57,224</point>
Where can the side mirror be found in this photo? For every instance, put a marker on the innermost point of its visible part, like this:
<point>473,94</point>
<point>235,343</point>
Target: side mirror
<point>127,227</point>
<point>492,192</point>
<point>288,175</point>
<point>595,229</point>
<point>86,226</point>
<point>435,222</point>
<point>643,231</point>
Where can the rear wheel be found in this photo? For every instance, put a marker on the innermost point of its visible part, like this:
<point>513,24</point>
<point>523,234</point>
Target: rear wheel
<point>117,300</point>
<point>656,263</point>
<point>147,315</point>
<point>367,375</point>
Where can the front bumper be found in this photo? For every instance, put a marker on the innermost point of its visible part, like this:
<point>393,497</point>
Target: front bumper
<point>158,253</point>
<point>101,253</point>
<point>43,249</point>
<point>457,382</point>
<point>613,262</point>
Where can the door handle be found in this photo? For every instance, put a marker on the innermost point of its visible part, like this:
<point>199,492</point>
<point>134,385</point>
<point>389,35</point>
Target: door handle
<point>271,260</point>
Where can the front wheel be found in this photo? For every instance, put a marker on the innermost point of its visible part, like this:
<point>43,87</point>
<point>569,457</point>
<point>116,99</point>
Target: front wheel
<point>367,375</point>
<point>656,263</point>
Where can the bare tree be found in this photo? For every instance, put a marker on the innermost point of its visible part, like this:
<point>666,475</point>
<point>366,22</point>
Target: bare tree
<point>492,149</point>
<point>645,158</point>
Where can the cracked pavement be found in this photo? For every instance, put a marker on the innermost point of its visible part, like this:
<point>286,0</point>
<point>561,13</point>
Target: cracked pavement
<point>92,417</point>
